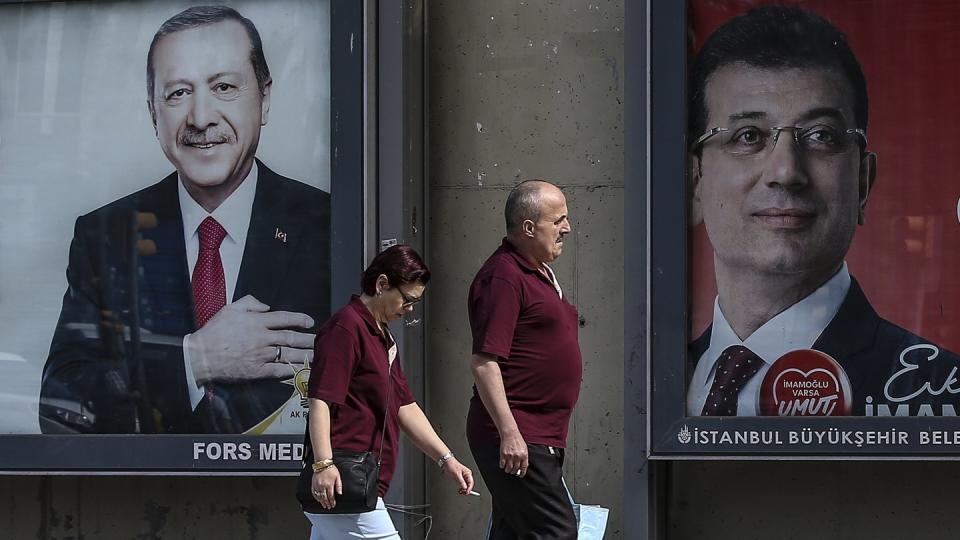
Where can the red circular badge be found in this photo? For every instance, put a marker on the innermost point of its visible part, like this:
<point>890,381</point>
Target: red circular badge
<point>806,382</point>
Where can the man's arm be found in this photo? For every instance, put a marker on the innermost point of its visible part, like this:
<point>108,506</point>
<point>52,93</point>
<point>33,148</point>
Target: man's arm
<point>513,449</point>
<point>100,378</point>
<point>90,380</point>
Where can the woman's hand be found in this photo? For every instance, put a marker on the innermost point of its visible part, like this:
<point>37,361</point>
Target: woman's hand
<point>326,485</point>
<point>460,474</point>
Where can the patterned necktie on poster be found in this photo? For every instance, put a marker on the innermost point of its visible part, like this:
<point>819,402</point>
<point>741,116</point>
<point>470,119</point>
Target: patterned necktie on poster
<point>209,286</point>
<point>209,297</point>
<point>737,365</point>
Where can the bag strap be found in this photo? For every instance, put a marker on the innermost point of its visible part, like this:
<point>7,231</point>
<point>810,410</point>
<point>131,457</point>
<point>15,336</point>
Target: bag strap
<point>386,409</point>
<point>386,415</point>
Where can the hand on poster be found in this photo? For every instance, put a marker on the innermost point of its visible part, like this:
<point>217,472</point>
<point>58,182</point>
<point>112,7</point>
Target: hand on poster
<point>240,343</point>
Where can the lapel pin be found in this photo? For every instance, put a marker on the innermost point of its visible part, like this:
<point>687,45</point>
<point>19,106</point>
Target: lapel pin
<point>280,235</point>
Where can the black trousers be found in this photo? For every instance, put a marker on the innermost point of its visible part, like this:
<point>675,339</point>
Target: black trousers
<point>535,507</point>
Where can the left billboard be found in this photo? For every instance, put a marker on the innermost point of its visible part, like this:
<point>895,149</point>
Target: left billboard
<point>167,195</point>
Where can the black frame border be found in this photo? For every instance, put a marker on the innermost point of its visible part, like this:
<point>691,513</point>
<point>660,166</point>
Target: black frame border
<point>280,454</point>
<point>667,326</point>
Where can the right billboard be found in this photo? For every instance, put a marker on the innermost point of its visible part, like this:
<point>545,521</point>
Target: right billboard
<point>822,211</point>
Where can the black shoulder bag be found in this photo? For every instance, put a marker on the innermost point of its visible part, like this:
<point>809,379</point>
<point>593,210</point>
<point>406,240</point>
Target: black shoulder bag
<point>359,473</point>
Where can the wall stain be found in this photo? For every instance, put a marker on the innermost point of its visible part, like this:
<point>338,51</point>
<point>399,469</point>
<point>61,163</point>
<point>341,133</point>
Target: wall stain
<point>156,517</point>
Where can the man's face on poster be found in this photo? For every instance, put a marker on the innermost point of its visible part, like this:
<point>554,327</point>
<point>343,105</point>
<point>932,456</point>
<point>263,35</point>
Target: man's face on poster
<point>789,209</point>
<point>206,104</point>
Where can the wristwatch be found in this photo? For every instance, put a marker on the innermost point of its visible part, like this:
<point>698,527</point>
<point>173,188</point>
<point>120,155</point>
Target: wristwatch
<point>444,458</point>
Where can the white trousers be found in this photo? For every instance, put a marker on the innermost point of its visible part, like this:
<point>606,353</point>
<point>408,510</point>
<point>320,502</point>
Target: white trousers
<point>375,524</point>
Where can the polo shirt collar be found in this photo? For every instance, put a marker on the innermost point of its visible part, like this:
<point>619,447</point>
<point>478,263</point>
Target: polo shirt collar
<point>357,304</point>
<point>508,247</point>
<point>525,263</point>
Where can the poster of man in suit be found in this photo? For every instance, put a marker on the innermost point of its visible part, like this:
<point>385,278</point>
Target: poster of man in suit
<point>199,266</point>
<point>819,236</point>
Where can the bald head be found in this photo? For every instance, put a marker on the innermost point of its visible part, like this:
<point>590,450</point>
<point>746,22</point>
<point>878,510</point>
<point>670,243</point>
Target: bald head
<point>536,215</point>
<point>525,203</point>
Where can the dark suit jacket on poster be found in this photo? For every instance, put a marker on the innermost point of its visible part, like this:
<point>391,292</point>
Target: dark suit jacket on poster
<point>116,359</point>
<point>869,349</point>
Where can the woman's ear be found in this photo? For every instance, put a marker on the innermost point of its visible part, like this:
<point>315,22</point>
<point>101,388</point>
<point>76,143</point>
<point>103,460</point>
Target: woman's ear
<point>382,284</point>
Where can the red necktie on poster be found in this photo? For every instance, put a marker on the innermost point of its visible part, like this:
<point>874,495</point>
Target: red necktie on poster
<point>209,286</point>
<point>738,365</point>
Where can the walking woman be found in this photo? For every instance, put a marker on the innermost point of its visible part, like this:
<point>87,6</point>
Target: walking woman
<point>355,382</point>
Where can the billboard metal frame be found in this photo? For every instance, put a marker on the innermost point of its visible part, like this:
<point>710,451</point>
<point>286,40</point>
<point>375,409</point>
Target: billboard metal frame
<point>354,134</point>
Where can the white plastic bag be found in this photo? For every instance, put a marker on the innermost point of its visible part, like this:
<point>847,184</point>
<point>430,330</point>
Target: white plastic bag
<point>591,521</point>
<point>591,518</point>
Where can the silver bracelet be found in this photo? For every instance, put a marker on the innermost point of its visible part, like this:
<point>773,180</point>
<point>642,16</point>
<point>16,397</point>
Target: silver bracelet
<point>444,458</point>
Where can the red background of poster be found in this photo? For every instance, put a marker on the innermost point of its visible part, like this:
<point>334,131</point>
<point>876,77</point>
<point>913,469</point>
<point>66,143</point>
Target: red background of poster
<point>903,256</point>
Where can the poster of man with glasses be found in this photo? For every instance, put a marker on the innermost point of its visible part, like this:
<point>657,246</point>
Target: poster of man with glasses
<point>784,171</point>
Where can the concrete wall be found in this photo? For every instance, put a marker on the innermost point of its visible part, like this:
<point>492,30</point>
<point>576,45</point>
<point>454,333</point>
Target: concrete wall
<point>149,508</point>
<point>884,500</point>
<point>523,90</point>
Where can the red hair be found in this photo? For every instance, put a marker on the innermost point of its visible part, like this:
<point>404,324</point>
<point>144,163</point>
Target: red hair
<point>400,263</point>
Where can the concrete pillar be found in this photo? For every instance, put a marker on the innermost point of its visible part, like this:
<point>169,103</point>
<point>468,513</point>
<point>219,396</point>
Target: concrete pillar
<point>522,90</point>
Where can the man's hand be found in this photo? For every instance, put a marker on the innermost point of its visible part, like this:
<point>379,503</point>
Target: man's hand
<point>513,454</point>
<point>240,343</point>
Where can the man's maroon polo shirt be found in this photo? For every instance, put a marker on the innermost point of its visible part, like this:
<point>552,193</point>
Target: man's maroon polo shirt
<point>349,372</point>
<point>517,316</point>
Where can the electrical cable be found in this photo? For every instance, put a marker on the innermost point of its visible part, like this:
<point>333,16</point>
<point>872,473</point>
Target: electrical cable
<point>409,509</point>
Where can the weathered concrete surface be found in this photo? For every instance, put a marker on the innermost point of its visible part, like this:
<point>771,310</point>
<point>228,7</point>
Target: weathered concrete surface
<point>792,500</point>
<point>523,90</point>
<point>149,508</point>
